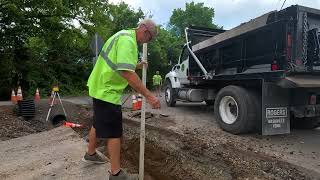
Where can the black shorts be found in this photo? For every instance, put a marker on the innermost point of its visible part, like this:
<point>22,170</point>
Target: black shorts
<point>107,119</point>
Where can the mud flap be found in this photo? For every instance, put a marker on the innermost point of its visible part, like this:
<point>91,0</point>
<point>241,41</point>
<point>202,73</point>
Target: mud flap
<point>275,109</point>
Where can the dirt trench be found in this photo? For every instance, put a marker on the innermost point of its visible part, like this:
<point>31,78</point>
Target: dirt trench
<point>172,156</point>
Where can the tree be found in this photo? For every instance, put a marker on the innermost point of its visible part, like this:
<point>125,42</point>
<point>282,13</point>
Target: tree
<point>193,14</point>
<point>40,45</point>
<point>165,48</point>
<point>28,21</point>
<point>125,17</point>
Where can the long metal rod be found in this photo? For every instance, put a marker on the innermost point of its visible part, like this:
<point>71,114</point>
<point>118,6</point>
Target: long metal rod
<point>143,117</point>
<point>96,42</point>
<point>283,4</point>
<point>126,99</point>
<point>205,72</point>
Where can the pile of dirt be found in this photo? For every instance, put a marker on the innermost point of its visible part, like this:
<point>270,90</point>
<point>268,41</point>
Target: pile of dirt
<point>85,118</point>
<point>168,155</point>
<point>173,156</point>
<point>13,126</point>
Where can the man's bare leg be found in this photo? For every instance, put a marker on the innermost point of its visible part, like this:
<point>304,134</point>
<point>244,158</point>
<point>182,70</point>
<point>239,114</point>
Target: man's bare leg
<point>91,155</point>
<point>114,145</point>
<point>92,141</point>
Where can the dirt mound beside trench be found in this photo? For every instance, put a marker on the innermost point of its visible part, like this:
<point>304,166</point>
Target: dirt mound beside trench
<point>172,156</point>
<point>13,126</point>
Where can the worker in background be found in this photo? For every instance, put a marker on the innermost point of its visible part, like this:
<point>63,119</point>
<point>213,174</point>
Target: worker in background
<point>113,71</point>
<point>157,83</point>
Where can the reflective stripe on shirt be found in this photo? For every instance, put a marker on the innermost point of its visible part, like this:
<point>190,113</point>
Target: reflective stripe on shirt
<point>109,62</point>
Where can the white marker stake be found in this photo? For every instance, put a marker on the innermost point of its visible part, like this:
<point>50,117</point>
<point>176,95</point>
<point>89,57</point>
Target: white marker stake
<point>143,117</point>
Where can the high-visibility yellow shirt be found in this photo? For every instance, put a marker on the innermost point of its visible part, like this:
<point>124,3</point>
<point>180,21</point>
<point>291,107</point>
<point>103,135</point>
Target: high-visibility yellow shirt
<point>156,79</point>
<point>119,53</point>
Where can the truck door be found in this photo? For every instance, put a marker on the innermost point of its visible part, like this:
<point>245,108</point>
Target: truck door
<point>183,66</point>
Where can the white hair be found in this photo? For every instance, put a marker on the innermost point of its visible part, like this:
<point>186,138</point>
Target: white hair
<point>150,25</point>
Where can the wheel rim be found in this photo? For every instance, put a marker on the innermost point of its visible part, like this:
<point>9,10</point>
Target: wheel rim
<point>228,109</point>
<point>167,95</point>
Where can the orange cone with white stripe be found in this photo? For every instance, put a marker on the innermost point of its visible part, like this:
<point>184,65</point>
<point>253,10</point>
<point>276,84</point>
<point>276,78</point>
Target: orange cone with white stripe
<point>139,101</point>
<point>73,125</point>
<point>37,95</point>
<point>135,105</point>
<point>13,97</point>
<point>19,94</point>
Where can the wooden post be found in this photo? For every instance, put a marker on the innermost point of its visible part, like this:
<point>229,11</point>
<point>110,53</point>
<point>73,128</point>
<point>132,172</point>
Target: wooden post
<point>143,117</point>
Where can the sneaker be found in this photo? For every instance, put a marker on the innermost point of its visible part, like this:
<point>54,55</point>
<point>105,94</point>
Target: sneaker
<point>96,158</point>
<point>123,175</point>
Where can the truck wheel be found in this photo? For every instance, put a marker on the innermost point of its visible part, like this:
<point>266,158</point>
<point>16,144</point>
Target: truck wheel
<point>170,95</point>
<point>237,110</point>
<point>305,123</point>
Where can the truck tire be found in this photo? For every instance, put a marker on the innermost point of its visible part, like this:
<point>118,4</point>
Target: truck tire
<point>237,110</point>
<point>305,123</point>
<point>170,95</point>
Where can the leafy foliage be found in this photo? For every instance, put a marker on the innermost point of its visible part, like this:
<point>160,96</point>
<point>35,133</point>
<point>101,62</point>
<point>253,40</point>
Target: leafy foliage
<point>40,45</point>
<point>165,48</point>
<point>194,14</point>
<point>43,43</point>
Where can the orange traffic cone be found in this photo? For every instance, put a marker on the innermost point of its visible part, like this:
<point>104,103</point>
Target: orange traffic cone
<point>13,97</point>
<point>139,101</point>
<point>73,125</point>
<point>37,95</point>
<point>19,94</point>
<point>134,103</point>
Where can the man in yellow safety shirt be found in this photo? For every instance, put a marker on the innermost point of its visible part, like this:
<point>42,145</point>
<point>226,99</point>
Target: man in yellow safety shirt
<point>157,83</point>
<point>113,71</point>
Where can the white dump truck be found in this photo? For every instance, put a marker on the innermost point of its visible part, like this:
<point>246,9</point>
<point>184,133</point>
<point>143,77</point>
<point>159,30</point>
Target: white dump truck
<point>263,75</point>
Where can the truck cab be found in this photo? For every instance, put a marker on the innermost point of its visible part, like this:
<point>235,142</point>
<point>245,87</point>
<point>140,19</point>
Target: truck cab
<point>178,76</point>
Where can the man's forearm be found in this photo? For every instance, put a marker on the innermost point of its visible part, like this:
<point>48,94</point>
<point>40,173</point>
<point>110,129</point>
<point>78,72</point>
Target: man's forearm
<point>135,82</point>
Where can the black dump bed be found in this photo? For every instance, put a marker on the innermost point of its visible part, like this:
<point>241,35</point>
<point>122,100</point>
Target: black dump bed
<point>286,40</point>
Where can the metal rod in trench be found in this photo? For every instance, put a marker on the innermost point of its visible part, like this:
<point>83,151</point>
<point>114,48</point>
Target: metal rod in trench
<point>143,117</point>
